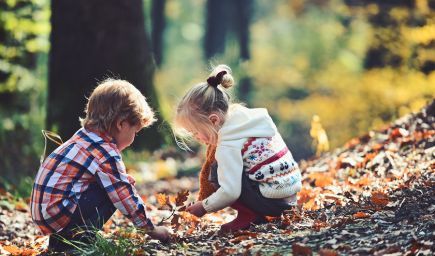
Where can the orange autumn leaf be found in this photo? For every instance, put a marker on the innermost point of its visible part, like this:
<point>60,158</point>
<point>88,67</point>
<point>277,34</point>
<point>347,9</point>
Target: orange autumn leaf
<point>320,179</point>
<point>361,215</point>
<point>305,195</point>
<point>326,181</point>
<point>377,147</point>
<point>363,181</point>
<point>162,199</point>
<point>14,250</point>
<point>29,252</point>
<point>380,198</point>
<point>107,225</point>
<point>311,205</point>
<point>352,143</point>
<point>301,249</point>
<point>327,252</point>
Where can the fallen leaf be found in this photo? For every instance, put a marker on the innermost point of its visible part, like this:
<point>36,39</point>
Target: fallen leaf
<point>361,215</point>
<point>163,201</point>
<point>21,206</point>
<point>379,198</point>
<point>12,249</point>
<point>301,250</point>
<point>327,252</point>
<point>181,197</point>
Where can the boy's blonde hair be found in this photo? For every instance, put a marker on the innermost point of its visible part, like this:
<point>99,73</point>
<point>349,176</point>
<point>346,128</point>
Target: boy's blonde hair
<point>114,100</point>
<point>203,99</point>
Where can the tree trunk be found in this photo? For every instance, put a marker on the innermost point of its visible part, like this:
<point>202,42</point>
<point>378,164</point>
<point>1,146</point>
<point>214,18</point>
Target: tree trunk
<point>92,40</point>
<point>158,26</point>
<point>224,16</point>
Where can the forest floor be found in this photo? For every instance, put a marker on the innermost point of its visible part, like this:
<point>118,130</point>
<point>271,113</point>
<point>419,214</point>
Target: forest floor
<point>373,196</point>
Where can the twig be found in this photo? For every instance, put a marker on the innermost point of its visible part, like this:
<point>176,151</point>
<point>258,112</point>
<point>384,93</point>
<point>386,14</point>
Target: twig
<point>167,218</point>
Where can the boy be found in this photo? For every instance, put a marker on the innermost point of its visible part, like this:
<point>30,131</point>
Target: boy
<point>83,182</point>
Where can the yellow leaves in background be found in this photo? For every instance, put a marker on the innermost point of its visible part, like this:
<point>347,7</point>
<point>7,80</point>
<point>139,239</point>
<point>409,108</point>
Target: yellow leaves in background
<point>424,35</point>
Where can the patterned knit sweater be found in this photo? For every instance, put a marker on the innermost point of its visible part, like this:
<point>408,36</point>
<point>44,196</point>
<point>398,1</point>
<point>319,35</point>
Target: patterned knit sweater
<point>249,141</point>
<point>269,162</point>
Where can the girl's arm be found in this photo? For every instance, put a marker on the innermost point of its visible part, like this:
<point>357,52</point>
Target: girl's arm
<point>230,170</point>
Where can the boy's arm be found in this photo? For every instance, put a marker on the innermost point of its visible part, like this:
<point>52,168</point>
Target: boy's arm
<point>113,177</point>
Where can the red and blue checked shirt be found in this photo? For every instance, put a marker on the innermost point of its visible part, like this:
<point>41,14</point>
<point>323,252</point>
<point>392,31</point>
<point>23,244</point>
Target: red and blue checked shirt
<point>86,158</point>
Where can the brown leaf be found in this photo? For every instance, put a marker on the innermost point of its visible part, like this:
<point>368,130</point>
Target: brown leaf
<point>301,250</point>
<point>327,252</point>
<point>181,197</point>
<point>318,224</point>
<point>361,215</point>
<point>245,233</point>
<point>176,221</point>
<point>379,198</point>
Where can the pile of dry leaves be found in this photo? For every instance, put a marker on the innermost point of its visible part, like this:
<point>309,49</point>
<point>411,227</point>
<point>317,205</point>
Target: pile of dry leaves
<point>376,196</point>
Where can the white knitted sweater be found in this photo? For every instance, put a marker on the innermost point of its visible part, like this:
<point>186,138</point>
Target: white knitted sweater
<point>249,141</point>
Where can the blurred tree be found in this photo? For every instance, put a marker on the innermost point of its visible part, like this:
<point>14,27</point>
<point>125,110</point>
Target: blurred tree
<point>91,40</point>
<point>158,21</point>
<point>402,33</point>
<point>224,16</point>
<point>21,42</point>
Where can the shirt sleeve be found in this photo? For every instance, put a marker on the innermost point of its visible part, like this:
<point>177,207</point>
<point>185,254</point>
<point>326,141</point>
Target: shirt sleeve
<point>230,170</point>
<point>122,193</point>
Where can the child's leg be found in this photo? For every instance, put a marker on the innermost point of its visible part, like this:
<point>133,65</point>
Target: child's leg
<point>252,198</point>
<point>94,209</point>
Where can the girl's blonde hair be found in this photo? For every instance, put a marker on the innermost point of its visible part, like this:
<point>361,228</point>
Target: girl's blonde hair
<point>203,99</point>
<point>114,100</point>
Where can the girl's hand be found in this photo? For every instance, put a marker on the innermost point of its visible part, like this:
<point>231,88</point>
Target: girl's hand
<point>196,209</point>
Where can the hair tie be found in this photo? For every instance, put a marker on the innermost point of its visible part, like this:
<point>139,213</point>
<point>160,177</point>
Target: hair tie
<point>216,80</point>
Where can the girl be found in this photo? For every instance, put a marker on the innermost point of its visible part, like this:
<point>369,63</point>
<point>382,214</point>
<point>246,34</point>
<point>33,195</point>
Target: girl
<point>255,172</point>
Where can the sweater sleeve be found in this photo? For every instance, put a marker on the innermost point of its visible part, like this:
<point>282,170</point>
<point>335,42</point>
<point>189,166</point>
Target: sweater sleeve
<point>230,169</point>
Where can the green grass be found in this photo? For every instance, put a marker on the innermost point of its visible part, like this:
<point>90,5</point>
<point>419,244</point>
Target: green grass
<point>100,245</point>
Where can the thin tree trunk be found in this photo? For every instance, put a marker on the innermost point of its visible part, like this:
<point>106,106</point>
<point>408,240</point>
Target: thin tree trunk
<point>158,27</point>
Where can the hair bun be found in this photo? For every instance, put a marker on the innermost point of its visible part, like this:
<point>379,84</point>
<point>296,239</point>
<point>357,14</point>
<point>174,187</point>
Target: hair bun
<point>221,75</point>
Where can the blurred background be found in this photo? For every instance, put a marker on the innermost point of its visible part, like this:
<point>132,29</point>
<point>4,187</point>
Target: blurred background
<point>327,70</point>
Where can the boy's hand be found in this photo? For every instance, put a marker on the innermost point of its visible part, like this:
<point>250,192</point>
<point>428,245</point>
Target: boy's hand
<point>160,233</point>
<point>131,179</point>
<point>196,209</point>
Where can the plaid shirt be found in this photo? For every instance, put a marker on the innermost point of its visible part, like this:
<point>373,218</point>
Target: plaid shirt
<point>67,172</point>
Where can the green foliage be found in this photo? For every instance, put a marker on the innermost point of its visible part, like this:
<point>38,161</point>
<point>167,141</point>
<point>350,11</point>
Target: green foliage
<point>24,28</point>
<point>314,57</point>
<point>23,189</point>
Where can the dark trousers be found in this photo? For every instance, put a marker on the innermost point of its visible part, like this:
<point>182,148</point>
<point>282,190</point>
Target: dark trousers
<point>252,198</point>
<point>93,210</point>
